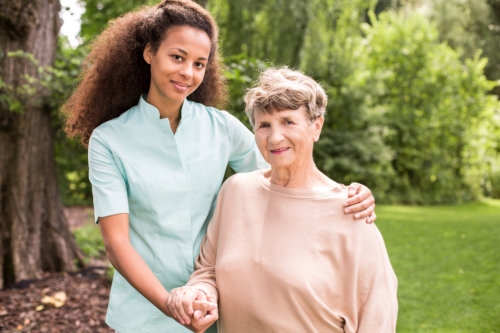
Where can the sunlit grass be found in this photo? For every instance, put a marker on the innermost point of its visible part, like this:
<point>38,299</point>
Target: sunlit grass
<point>447,259</point>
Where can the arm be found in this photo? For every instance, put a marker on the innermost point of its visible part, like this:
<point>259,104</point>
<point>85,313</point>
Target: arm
<point>126,260</point>
<point>360,202</point>
<point>377,304</point>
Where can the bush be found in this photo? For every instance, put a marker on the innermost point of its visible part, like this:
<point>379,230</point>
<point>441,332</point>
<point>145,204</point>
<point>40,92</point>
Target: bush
<point>495,185</point>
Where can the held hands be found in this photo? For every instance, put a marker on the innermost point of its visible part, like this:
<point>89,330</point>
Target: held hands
<point>192,308</point>
<point>360,202</point>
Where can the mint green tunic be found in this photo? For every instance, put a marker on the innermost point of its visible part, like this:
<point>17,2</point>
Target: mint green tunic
<point>168,185</point>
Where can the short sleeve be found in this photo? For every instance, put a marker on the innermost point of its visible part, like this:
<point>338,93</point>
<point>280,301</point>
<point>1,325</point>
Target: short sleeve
<point>245,155</point>
<point>109,189</point>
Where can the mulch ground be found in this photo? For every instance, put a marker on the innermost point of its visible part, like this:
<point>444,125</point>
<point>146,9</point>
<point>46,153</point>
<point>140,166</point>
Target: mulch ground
<point>59,302</point>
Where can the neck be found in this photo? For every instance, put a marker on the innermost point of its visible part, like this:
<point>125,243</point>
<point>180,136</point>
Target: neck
<point>168,110</point>
<point>171,112</point>
<point>306,178</point>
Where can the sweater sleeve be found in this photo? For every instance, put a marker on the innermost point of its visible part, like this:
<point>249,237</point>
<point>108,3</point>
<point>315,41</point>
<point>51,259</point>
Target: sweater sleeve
<point>376,284</point>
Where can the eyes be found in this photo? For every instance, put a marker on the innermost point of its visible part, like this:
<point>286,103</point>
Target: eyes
<point>285,122</point>
<point>179,58</point>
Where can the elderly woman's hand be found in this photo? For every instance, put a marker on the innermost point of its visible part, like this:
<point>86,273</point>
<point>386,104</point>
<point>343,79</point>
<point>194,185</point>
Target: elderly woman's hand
<point>192,308</point>
<point>360,202</point>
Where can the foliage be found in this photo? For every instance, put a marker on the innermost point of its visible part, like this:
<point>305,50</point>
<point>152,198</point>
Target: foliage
<point>446,260</point>
<point>408,115</point>
<point>241,72</point>
<point>436,107</point>
<point>89,240</point>
<point>351,147</point>
<point>99,12</point>
<point>267,30</point>
<point>470,26</point>
<point>70,155</point>
<point>16,97</point>
<point>495,185</point>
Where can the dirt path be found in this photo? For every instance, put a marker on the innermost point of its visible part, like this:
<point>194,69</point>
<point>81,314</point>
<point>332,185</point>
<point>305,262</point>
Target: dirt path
<point>59,302</point>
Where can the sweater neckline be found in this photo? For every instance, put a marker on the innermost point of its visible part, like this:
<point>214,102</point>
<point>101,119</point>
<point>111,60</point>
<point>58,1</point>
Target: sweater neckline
<point>296,192</point>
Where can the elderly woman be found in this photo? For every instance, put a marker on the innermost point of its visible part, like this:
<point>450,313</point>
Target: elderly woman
<point>280,258</point>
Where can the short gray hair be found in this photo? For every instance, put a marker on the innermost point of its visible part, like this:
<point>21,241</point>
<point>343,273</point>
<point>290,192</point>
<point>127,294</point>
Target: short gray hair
<point>285,89</point>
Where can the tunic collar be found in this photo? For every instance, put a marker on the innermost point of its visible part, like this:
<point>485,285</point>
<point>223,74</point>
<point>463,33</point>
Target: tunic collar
<point>154,114</point>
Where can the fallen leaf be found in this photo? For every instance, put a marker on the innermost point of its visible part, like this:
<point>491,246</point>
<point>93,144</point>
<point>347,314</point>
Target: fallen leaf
<point>57,300</point>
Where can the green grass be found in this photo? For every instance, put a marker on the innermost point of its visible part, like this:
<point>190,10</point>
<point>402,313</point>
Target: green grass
<point>447,259</point>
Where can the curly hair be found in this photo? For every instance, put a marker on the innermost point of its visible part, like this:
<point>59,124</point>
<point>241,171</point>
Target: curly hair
<point>115,75</point>
<point>285,89</point>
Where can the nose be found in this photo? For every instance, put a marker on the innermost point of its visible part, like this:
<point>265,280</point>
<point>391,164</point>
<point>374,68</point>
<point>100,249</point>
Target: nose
<point>186,70</point>
<point>275,135</point>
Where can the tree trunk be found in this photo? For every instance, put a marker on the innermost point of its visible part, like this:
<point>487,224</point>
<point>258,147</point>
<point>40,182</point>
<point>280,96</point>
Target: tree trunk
<point>34,233</point>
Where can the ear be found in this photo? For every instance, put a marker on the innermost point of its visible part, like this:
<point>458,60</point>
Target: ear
<point>318,126</point>
<point>147,54</point>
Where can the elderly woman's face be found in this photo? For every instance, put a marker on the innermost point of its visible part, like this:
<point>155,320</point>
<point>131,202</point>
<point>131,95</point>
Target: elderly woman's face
<point>286,138</point>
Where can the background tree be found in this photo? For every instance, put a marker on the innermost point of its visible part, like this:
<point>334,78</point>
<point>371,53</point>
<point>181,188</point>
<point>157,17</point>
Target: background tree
<point>34,234</point>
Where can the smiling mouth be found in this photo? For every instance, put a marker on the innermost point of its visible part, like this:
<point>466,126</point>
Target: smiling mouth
<point>279,150</point>
<point>181,85</point>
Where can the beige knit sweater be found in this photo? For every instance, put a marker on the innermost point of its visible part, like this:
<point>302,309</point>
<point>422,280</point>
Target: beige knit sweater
<point>289,260</point>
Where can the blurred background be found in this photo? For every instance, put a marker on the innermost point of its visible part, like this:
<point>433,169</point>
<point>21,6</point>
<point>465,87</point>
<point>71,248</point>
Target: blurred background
<point>413,87</point>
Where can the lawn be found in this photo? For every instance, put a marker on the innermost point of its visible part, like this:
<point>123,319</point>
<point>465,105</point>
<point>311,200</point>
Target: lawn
<point>447,259</point>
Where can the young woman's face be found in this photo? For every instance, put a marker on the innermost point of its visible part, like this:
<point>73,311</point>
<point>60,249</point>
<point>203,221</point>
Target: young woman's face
<point>286,138</point>
<point>179,65</point>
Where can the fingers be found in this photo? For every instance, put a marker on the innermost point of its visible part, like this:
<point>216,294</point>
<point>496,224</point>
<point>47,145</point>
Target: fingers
<point>360,202</point>
<point>205,314</point>
<point>203,306</point>
<point>353,189</point>
<point>357,193</point>
<point>362,212</point>
<point>192,308</point>
<point>202,324</point>
<point>371,218</point>
<point>180,303</point>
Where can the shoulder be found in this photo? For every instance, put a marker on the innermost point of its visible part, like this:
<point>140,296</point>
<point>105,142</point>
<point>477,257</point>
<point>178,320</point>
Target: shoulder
<point>117,133</point>
<point>117,124</point>
<point>242,181</point>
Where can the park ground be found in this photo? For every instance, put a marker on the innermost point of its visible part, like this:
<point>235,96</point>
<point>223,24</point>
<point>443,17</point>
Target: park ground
<point>59,302</point>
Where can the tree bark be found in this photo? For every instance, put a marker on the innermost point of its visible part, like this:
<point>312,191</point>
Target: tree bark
<point>34,233</point>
